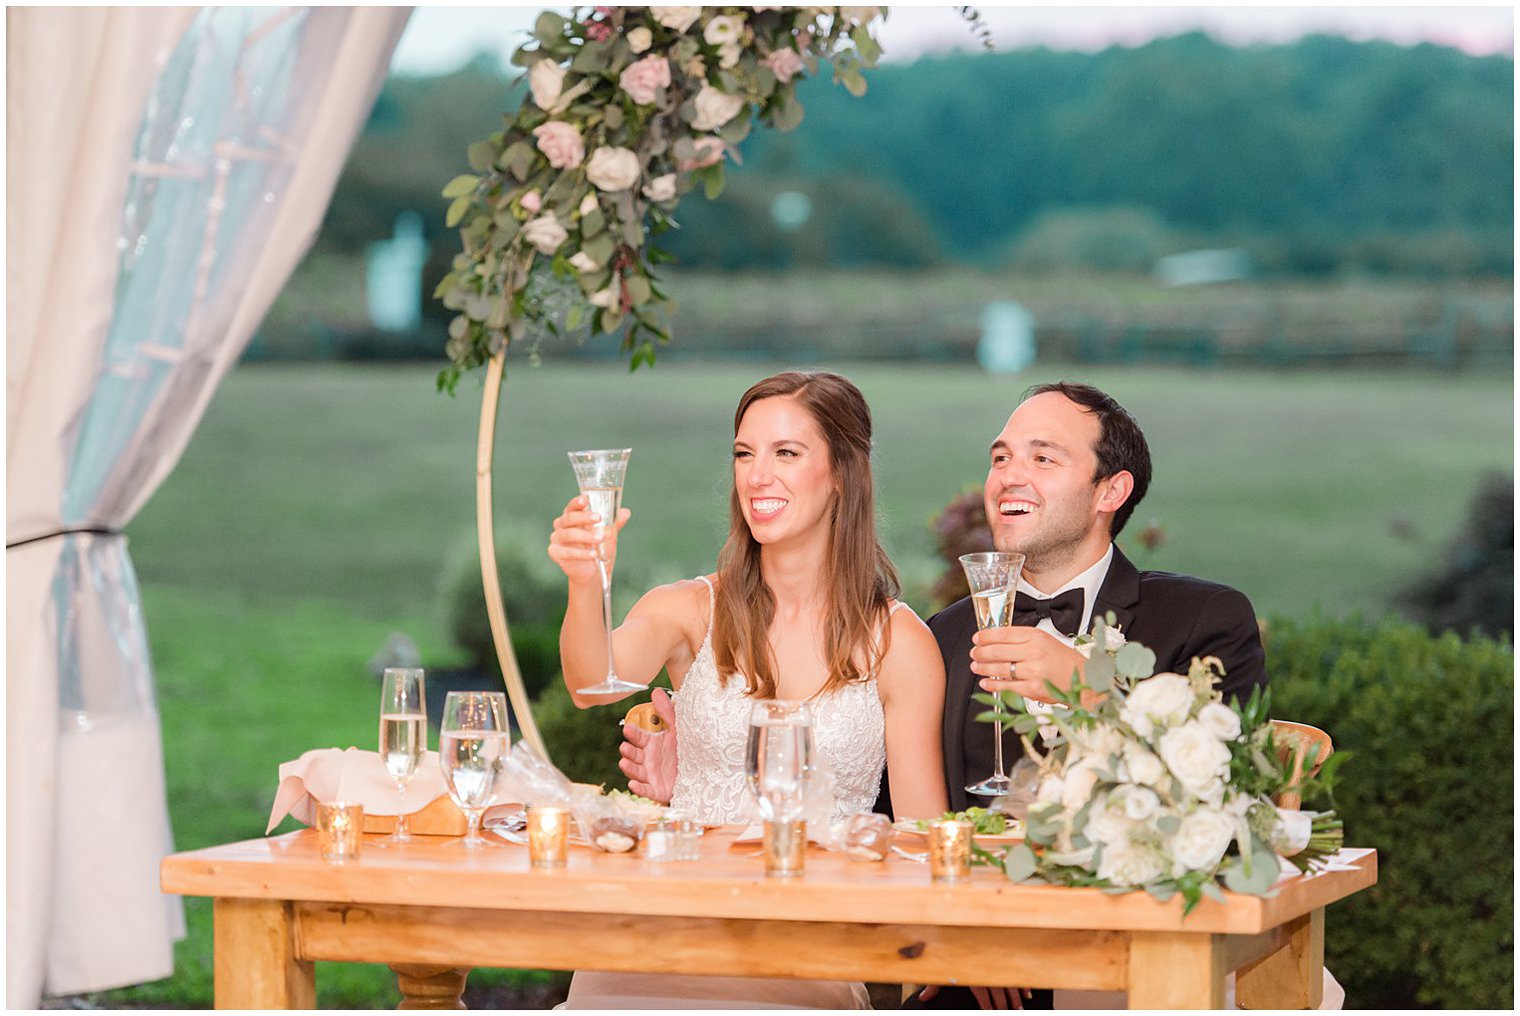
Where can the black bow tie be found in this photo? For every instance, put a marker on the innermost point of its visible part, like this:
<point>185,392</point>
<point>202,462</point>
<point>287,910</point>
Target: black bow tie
<point>1063,609</point>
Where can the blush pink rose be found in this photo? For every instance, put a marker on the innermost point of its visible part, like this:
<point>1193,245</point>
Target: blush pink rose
<point>560,143</point>
<point>784,63</point>
<point>643,79</point>
<point>709,150</point>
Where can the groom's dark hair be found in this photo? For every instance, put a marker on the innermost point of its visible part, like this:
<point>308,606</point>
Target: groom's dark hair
<point>1121,443</point>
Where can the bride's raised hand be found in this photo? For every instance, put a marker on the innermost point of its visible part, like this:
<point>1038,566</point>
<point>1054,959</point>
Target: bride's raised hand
<point>573,543</point>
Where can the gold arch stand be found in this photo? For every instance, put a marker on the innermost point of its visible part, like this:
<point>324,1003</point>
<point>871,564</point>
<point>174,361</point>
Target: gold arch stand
<point>496,611</point>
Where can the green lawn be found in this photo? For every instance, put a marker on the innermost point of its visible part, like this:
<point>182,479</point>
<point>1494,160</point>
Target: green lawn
<point>314,511</point>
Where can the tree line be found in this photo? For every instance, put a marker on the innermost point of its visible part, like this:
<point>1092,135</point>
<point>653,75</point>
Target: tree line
<point>1315,157</point>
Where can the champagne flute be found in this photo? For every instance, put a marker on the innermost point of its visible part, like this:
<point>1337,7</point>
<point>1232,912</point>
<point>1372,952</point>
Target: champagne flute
<point>600,477</point>
<point>471,742</point>
<point>993,578</point>
<point>777,757</point>
<point>403,734</point>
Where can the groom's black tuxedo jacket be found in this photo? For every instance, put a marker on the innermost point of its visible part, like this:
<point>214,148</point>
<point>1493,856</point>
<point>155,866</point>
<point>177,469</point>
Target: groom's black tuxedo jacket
<point>1175,616</point>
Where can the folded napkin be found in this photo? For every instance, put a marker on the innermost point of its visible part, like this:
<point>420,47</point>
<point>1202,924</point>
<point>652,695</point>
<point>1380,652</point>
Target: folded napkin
<point>360,777</point>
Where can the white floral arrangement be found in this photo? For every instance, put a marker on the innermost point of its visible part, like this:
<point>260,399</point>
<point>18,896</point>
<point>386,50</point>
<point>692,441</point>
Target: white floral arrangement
<point>630,108</point>
<point>1156,784</point>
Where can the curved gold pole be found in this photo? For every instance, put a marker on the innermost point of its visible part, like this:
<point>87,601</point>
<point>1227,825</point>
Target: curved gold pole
<point>496,611</point>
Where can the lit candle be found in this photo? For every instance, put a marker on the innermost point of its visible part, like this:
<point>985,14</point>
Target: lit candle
<point>340,830</point>
<point>548,836</point>
<point>950,850</point>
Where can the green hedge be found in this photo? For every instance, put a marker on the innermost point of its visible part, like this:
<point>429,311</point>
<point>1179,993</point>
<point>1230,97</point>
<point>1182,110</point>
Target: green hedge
<point>1430,721</point>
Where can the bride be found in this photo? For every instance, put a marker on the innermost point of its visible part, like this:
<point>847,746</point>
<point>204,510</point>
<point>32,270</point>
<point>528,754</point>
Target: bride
<point>802,606</point>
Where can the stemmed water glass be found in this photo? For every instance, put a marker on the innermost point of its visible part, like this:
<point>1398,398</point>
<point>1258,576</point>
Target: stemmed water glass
<point>777,757</point>
<point>600,477</point>
<point>471,742</point>
<point>994,579</point>
<point>403,734</point>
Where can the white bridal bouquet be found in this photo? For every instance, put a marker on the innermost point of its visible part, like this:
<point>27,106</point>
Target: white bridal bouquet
<point>1150,781</point>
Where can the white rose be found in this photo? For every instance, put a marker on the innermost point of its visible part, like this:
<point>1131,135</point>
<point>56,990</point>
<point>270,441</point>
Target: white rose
<point>1077,786</point>
<point>1107,827</point>
<point>640,39</point>
<point>729,54</point>
<point>678,19</point>
<point>1140,803</point>
<point>723,29</point>
<point>1130,864</point>
<point>1159,701</point>
<point>1201,840</point>
<point>607,298</point>
<point>1291,834</point>
<point>613,169</point>
<point>715,108</point>
<point>1220,720</point>
<point>1115,638</point>
<point>583,262</point>
<point>545,233</point>
<point>588,204</point>
<point>1196,758</point>
<point>547,79</point>
<point>661,188</point>
<point>1051,788</point>
<point>1142,766</point>
<point>1100,742</point>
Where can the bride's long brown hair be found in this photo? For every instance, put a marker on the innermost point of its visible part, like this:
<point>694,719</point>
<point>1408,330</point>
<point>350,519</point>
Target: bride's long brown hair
<point>861,580</point>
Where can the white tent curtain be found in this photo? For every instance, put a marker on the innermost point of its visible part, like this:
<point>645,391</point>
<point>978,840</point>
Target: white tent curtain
<point>166,169</point>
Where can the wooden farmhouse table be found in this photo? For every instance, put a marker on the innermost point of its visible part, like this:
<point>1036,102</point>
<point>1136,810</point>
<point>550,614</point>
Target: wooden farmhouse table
<point>433,910</point>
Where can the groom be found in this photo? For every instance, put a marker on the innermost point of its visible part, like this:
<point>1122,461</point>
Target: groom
<point>1064,476</point>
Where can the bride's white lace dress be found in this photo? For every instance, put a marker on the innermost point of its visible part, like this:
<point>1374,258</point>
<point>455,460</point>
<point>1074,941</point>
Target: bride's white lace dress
<point>712,723</point>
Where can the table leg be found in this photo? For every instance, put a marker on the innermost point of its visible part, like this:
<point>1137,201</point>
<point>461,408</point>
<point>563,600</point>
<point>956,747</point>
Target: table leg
<point>1176,970</point>
<point>1292,977</point>
<point>430,987</point>
<point>255,958</point>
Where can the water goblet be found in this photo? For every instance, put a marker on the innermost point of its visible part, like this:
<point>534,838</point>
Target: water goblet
<point>777,757</point>
<point>993,577</point>
<point>471,742</point>
<point>599,474</point>
<point>403,734</point>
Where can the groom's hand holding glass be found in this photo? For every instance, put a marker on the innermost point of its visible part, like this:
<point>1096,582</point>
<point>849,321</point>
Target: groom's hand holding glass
<point>1021,659</point>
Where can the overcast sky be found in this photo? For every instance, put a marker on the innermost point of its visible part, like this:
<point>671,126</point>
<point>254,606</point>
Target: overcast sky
<point>439,38</point>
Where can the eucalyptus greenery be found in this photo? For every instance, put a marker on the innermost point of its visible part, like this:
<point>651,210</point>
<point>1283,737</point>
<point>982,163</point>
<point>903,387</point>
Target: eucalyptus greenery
<point>629,109</point>
<point>1154,783</point>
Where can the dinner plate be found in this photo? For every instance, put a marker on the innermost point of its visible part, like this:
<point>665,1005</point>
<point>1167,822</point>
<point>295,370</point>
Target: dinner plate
<point>1015,834</point>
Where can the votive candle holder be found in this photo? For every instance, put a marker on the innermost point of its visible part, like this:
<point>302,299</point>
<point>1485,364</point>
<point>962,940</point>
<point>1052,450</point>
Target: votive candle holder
<point>950,850</point>
<point>784,845</point>
<point>548,836</point>
<point>340,830</point>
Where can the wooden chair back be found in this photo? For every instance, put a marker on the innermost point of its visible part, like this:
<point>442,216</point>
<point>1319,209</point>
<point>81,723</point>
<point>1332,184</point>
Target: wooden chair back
<point>1303,749</point>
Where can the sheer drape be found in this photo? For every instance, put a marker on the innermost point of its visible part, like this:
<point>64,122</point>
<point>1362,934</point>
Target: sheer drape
<point>166,169</point>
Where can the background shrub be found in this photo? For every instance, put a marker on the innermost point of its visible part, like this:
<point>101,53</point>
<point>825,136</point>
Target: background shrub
<point>1475,586</point>
<point>534,595</point>
<point>1430,720</point>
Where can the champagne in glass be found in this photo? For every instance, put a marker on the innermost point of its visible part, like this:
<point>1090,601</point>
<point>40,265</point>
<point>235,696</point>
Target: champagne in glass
<point>471,742</point>
<point>993,578</point>
<point>403,734</point>
<point>600,477</point>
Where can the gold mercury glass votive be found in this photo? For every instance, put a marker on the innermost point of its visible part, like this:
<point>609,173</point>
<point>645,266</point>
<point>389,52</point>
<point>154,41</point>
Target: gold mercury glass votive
<point>340,830</point>
<point>548,836</point>
<point>950,850</point>
<point>783,844</point>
